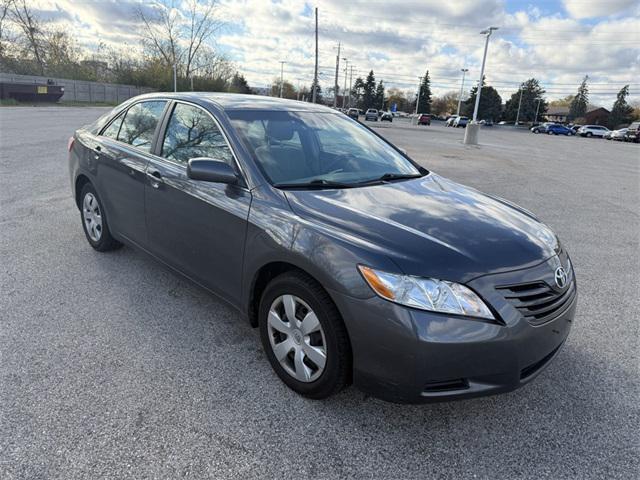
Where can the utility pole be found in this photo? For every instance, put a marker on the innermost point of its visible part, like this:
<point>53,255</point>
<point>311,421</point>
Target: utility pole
<point>464,72</point>
<point>537,108</point>
<point>350,85</point>
<point>419,92</point>
<point>519,103</point>
<point>488,33</point>
<point>175,77</point>
<point>281,77</point>
<point>315,71</point>
<point>346,67</point>
<point>335,86</point>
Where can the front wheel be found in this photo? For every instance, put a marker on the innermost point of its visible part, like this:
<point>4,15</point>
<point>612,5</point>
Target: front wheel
<point>304,336</point>
<point>589,134</point>
<point>94,221</point>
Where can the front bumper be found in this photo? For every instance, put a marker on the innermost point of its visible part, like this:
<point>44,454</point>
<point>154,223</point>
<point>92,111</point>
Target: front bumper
<point>411,356</point>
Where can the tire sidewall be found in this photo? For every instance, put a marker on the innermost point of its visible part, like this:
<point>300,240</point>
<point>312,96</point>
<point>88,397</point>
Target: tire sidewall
<point>284,285</point>
<point>105,237</point>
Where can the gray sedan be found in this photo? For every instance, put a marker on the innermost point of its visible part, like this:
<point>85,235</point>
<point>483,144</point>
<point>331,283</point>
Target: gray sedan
<point>356,264</point>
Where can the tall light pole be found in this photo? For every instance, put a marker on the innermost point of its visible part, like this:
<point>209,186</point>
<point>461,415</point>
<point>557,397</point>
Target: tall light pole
<point>519,103</point>
<point>335,85</point>
<point>464,72</point>
<point>472,128</point>
<point>281,77</point>
<point>419,92</point>
<point>175,77</point>
<point>350,85</point>
<point>538,100</point>
<point>315,71</point>
<point>487,34</point>
<point>346,68</point>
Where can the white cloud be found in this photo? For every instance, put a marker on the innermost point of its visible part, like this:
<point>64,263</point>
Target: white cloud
<point>603,8</point>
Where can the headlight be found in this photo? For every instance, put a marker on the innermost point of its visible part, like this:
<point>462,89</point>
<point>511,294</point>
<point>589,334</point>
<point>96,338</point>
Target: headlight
<point>426,293</point>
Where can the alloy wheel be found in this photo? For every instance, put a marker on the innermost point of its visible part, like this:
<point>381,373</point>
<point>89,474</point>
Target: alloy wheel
<point>92,217</point>
<point>296,337</point>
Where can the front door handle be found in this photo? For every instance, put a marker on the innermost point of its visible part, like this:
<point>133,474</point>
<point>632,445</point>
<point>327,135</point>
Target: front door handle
<point>155,177</point>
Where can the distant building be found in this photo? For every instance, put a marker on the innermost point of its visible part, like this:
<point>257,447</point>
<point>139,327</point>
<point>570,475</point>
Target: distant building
<point>261,90</point>
<point>594,116</point>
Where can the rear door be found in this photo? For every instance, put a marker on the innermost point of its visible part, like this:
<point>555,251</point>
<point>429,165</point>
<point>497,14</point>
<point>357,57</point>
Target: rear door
<point>197,227</point>
<point>122,162</point>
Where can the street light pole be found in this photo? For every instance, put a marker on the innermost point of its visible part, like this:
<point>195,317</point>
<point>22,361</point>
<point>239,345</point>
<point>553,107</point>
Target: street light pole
<point>346,68</point>
<point>538,100</point>
<point>488,33</point>
<point>281,77</point>
<point>350,86</point>
<point>175,77</point>
<point>464,72</point>
<point>519,103</point>
<point>419,92</point>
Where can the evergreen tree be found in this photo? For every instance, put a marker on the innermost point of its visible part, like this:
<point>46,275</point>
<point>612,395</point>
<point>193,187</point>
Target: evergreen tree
<point>380,96</point>
<point>424,102</point>
<point>621,111</point>
<point>490,107</point>
<point>369,92</point>
<point>357,92</point>
<point>578,107</point>
<point>239,84</point>
<point>531,90</point>
<point>318,94</point>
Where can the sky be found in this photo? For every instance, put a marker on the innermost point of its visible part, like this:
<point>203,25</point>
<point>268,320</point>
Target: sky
<point>557,42</point>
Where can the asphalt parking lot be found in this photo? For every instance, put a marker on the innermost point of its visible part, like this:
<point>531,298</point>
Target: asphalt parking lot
<point>113,367</point>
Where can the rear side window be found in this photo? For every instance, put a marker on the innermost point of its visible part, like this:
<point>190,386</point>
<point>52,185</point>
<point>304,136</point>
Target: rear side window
<point>113,129</point>
<point>140,123</point>
<point>192,133</point>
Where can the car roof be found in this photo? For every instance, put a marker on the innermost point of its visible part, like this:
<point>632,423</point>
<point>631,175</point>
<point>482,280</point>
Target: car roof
<point>238,101</point>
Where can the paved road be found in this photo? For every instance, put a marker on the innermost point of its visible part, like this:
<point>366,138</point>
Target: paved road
<point>113,367</point>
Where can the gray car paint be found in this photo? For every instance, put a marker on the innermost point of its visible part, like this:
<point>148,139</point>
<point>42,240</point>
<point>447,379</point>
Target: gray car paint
<point>224,237</point>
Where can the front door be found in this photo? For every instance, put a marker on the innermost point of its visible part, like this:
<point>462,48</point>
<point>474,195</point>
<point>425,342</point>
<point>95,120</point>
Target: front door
<point>197,227</point>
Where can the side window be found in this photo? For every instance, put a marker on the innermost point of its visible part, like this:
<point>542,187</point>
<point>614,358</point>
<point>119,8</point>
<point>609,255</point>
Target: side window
<point>192,133</point>
<point>140,123</point>
<point>114,128</point>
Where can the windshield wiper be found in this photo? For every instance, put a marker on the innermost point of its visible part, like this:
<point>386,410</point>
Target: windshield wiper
<point>315,183</point>
<point>392,176</point>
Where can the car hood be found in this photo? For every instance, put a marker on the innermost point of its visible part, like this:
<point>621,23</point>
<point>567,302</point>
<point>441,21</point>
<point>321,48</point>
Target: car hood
<point>430,226</point>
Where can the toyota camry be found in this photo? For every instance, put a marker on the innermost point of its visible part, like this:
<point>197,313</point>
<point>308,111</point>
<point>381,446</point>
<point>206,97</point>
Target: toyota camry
<point>356,264</point>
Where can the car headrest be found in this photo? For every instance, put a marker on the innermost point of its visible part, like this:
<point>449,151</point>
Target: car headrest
<point>280,130</point>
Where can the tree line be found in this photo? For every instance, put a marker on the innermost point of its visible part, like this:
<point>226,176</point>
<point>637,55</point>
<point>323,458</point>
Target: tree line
<point>168,39</point>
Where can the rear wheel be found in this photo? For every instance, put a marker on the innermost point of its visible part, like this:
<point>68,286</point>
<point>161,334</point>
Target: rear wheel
<point>304,337</point>
<point>94,221</point>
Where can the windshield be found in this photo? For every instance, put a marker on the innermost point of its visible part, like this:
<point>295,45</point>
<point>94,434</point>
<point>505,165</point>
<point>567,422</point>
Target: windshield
<point>325,149</point>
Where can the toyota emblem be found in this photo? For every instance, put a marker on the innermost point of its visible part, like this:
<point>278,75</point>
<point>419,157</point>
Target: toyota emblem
<point>561,277</point>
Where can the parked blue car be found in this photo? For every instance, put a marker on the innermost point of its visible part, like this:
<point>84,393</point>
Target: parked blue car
<point>556,129</point>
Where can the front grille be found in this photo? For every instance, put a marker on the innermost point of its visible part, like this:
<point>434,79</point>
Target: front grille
<point>537,301</point>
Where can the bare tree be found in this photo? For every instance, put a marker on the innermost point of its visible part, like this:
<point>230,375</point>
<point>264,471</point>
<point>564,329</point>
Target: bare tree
<point>5,6</point>
<point>178,36</point>
<point>29,24</point>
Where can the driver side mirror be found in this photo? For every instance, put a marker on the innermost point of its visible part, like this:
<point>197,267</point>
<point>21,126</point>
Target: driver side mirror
<point>211,170</point>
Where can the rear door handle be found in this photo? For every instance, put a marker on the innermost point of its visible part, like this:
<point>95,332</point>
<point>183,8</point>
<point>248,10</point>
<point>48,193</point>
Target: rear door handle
<point>155,177</point>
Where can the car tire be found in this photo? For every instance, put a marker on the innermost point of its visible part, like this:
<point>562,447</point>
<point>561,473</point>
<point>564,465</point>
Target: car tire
<point>295,368</point>
<point>94,221</point>
<point>589,134</point>
<point>550,132</point>
<point>536,131</point>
